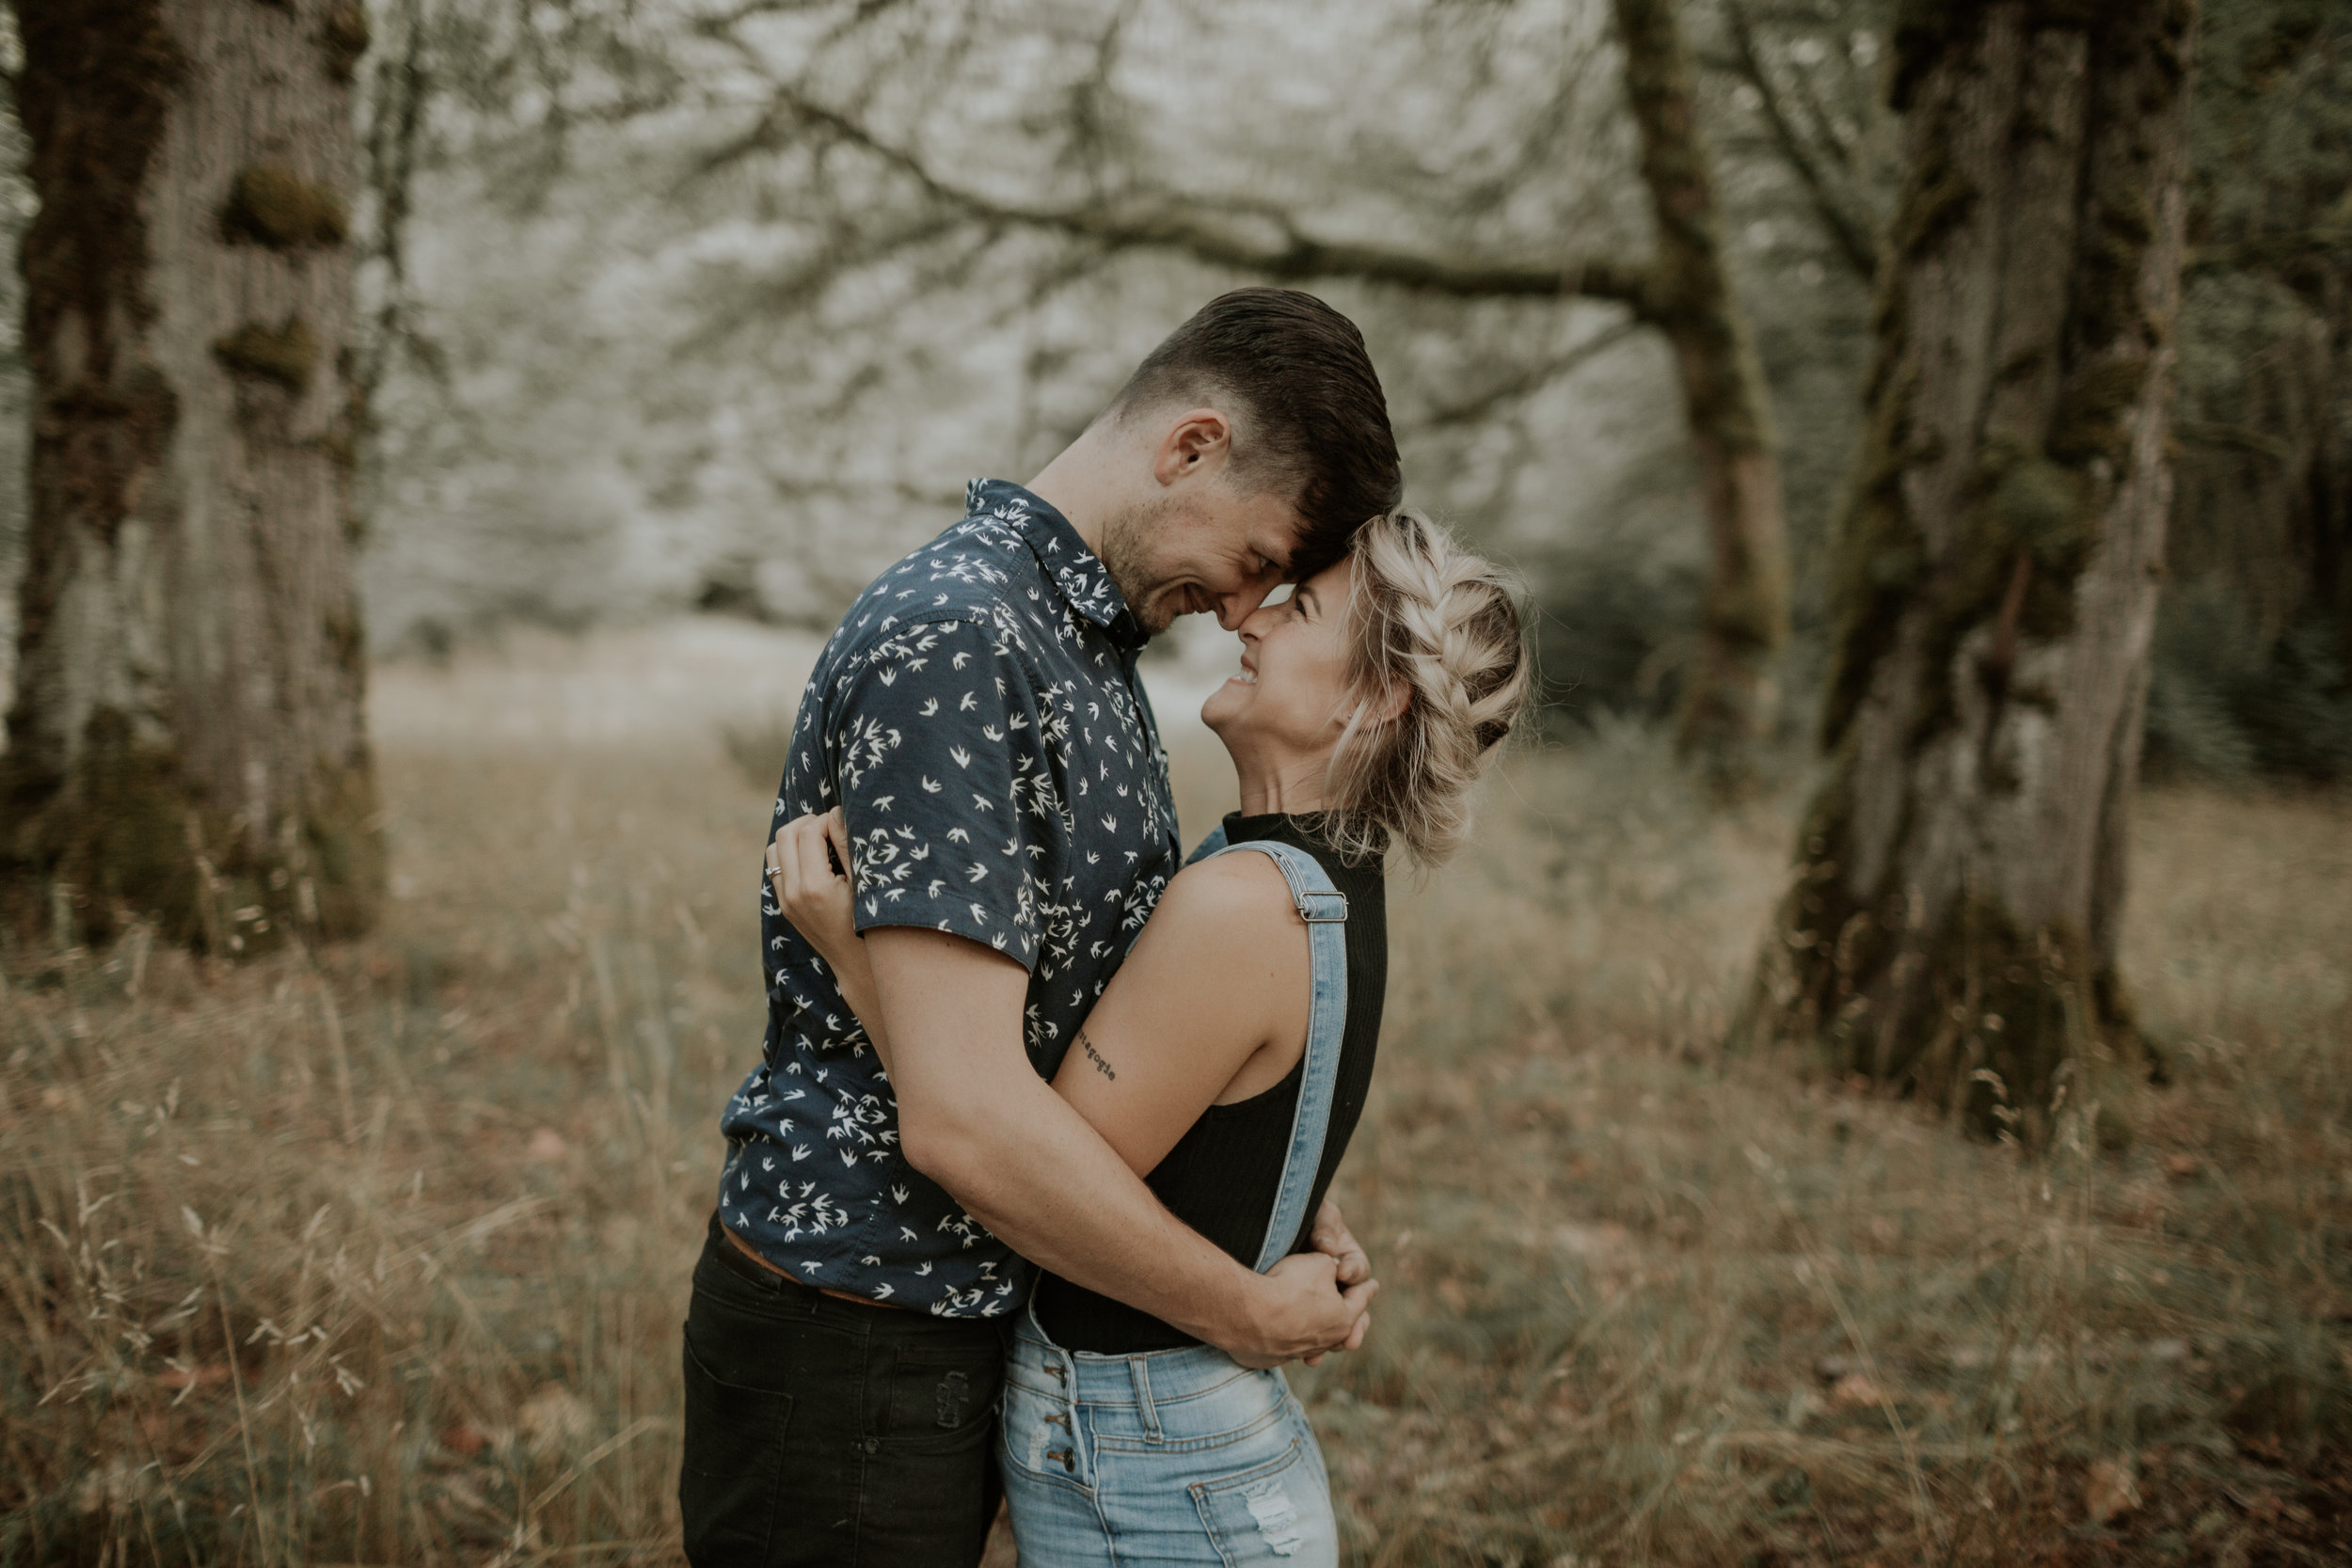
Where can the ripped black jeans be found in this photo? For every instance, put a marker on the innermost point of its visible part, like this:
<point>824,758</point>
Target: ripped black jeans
<point>822,1432</point>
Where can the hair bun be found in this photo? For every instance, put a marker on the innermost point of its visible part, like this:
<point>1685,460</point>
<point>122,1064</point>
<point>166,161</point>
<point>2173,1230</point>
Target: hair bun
<point>1442,624</point>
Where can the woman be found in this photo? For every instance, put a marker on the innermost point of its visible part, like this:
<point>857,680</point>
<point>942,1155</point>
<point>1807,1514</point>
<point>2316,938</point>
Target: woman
<point>1229,1059</point>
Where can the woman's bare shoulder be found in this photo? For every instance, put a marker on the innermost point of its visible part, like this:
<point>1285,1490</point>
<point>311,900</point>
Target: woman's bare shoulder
<point>1226,900</point>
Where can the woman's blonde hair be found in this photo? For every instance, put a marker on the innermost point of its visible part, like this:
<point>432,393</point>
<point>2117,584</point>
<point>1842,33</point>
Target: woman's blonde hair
<point>1428,620</point>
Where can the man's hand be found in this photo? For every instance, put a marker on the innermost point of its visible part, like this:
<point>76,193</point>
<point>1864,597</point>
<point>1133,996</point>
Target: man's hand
<point>1299,1309</point>
<point>1332,1237</point>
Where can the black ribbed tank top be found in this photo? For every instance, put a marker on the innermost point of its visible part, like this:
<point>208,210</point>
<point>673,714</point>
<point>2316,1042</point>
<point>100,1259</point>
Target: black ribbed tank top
<point>1221,1177</point>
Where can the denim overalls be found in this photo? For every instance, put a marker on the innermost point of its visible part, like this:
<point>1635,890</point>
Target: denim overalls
<point>1186,1456</point>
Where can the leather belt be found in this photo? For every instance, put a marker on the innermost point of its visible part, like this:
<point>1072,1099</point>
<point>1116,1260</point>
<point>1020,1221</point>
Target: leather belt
<point>745,1248</point>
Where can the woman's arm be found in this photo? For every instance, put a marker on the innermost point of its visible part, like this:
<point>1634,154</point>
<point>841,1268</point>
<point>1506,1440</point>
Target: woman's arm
<point>1211,1006</point>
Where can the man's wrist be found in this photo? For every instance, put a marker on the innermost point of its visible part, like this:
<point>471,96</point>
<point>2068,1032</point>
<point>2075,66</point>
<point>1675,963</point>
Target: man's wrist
<point>1238,1322</point>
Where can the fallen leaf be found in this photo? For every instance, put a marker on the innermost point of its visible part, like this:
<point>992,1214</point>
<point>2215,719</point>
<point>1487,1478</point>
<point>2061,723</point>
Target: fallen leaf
<point>1590,1240</point>
<point>2111,1492</point>
<point>546,1145</point>
<point>2181,1166</point>
<point>464,1438</point>
<point>180,1377</point>
<point>554,1414</point>
<point>1855,1390</point>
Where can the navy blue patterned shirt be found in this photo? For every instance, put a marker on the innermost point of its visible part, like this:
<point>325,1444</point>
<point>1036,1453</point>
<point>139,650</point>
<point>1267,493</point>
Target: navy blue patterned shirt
<point>979,719</point>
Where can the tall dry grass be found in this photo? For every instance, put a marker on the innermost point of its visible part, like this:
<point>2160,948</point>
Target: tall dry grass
<point>378,1254</point>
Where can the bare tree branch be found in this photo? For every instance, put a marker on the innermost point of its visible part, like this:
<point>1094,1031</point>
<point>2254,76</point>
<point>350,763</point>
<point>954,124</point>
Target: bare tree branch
<point>1855,237</point>
<point>1221,232</point>
<point>1528,379</point>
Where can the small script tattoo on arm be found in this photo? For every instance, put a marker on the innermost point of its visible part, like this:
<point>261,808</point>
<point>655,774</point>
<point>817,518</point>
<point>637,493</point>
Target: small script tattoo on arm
<point>1096,1057</point>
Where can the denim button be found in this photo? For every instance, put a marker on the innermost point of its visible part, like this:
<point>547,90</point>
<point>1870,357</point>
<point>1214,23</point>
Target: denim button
<point>873,1445</point>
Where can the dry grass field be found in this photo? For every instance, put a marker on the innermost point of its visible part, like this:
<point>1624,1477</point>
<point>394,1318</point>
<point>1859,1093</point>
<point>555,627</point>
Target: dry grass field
<point>378,1254</point>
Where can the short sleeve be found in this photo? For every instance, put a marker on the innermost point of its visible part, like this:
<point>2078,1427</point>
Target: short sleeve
<point>946,786</point>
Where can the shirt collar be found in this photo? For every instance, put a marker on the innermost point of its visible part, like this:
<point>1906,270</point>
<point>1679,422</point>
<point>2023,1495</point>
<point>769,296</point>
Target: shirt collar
<point>1076,570</point>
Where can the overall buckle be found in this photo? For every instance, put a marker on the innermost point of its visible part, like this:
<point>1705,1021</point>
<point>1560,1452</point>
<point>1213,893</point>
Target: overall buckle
<point>1307,913</point>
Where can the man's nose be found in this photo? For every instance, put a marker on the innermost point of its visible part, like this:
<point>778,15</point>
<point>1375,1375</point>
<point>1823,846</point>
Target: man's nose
<point>1238,605</point>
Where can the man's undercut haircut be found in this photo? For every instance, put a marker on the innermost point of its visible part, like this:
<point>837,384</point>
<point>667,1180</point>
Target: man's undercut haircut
<point>1310,422</point>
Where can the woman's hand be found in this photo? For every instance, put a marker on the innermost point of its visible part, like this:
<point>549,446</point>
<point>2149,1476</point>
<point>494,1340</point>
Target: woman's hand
<point>815,896</point>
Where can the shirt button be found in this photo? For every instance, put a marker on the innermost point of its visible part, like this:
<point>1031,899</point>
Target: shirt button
<point>873,1445</point>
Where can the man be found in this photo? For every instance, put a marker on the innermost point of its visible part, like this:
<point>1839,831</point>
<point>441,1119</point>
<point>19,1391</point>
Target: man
<point>979,719</point>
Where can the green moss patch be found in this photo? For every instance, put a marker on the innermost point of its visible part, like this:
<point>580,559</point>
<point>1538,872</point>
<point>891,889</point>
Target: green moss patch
<point>92,92</point>
<point>345,36</point>
<point>130,838</point>
<point>286,354</point>
<point>276,207</point>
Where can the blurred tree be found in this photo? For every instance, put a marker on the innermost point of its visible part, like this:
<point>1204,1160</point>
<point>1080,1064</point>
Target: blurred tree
<point>1952,921</point>
<point>1728,694</point>
<point>16,210</point>
<point>2253,661</point>
<point>2254,641</point>
<point>186,739</point>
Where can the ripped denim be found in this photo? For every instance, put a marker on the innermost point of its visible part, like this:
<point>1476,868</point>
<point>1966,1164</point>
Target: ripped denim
<point>1178,1456</point>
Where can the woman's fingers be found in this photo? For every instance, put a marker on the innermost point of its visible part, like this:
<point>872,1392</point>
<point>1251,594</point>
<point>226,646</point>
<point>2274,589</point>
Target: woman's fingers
<point>788,862</point>
<point>801,869</point>
<point>776,860</point>
<point>836,831</point>
<point>817,876</point>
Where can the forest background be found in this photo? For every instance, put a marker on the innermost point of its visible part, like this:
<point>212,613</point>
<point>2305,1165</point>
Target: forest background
<point>678,322</point>
<point>714,308</point>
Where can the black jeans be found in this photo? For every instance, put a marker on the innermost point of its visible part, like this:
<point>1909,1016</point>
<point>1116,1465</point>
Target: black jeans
<point>823,1432</point>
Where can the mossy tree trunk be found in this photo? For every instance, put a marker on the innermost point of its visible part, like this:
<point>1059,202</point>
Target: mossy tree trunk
<point>186,741</point>
<point>1729,696</point>
<point>1952,920</point>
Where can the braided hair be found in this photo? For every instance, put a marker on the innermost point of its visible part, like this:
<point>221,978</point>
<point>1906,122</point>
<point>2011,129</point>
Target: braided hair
<point>1430,622</point>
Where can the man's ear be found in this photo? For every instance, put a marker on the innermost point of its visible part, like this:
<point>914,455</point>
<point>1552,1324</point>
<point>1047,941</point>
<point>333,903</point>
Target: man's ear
<point>1197,445</point>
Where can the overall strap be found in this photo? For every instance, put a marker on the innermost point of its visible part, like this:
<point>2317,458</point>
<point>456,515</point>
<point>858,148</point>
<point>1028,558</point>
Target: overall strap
<point>1212,844</point>
<point>1323,908</point>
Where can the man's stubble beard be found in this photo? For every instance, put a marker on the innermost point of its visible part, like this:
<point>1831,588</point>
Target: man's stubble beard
<point>1127,557</point>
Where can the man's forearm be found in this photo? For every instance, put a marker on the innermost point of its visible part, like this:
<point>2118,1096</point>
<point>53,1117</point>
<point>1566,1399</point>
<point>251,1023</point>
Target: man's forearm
<point>1044,1182</point>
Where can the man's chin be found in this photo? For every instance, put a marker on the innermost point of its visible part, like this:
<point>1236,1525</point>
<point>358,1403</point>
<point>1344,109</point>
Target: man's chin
<point>1159,612</point>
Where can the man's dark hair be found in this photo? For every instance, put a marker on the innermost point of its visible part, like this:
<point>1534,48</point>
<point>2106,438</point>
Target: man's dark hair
<point>1312,419</point>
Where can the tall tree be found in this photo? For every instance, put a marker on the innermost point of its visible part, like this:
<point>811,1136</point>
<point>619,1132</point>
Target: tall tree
<point>1729,695</point>
<point>1953,919</point>
<point>186,741</point>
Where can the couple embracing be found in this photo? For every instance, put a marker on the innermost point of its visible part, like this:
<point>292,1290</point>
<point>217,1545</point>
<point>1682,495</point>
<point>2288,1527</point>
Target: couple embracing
<point>1025,1196</point>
